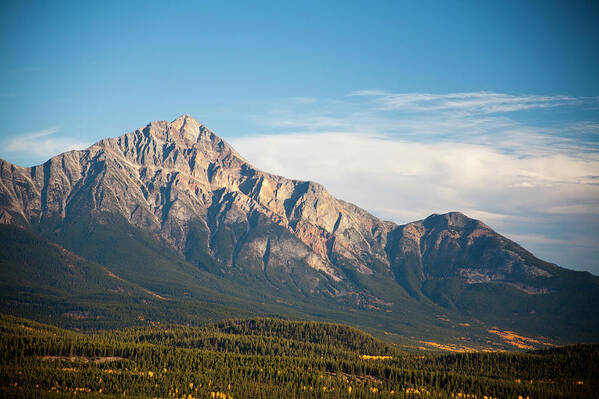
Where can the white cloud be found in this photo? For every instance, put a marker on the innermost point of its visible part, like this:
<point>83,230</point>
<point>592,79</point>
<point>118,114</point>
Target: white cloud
<point>468,103</point>
<point>41,144</point>
<point>398,177</point>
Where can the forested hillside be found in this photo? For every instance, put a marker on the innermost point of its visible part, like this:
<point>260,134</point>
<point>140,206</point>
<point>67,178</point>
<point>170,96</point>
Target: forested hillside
<point>270,358</point>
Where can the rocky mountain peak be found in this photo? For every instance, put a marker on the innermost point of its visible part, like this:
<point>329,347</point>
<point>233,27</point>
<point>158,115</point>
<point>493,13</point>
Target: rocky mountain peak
<point>188,131</point>
<point>452,220</point>
<point>183,145</point>
<point>185,132</point>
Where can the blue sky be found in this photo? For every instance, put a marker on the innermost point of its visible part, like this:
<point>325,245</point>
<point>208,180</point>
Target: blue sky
<point>405,108</point>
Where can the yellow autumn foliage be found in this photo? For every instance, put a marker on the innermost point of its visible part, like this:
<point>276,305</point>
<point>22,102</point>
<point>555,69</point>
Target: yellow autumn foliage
<point>375,357</point>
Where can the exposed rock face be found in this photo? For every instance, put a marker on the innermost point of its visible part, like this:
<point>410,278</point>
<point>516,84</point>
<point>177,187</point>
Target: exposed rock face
<point>185,186</point>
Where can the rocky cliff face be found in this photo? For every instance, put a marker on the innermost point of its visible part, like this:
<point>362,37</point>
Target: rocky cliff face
<point>186,187</point>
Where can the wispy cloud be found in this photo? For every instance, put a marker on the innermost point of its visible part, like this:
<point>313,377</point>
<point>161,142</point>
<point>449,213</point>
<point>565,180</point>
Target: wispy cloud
<point>23,142</point>
<point>41,144</point>
<point>457,117</point>
<point>469,103</point>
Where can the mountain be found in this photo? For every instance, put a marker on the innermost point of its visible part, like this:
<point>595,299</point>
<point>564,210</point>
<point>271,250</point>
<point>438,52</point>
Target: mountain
<point>185,186</point>
<point>175,210</point>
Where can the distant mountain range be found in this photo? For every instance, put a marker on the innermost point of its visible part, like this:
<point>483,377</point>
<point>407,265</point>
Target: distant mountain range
<point>170,224</point>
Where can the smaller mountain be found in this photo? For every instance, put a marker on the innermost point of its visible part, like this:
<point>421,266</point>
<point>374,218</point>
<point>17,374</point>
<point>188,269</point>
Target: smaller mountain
<point>455,246</point>
<point>462,264</point>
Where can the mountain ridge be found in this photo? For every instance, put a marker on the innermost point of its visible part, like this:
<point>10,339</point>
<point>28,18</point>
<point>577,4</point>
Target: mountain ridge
<point>187,188</point>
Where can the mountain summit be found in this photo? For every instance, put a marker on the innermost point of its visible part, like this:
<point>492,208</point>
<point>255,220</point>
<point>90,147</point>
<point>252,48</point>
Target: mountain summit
<point>180,185</point>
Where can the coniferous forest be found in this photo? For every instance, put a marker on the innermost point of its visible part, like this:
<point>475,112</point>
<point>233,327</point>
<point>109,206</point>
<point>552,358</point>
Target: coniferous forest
<point>272,358</point>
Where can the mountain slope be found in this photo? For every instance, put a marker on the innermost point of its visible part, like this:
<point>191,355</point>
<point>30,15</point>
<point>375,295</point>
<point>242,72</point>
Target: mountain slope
<point>178,191</point>
<point>42,279</point>
<point>54,269</point>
